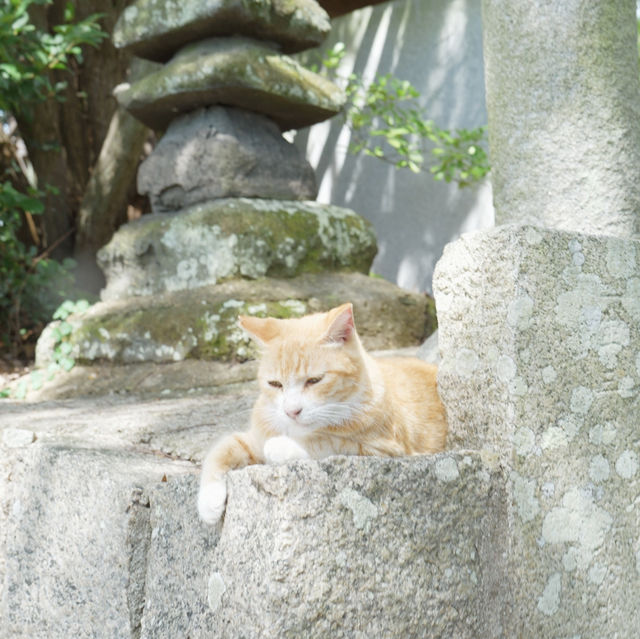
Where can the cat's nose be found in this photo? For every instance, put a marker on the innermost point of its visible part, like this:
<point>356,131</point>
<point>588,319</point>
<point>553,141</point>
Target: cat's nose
<point>293,412</point>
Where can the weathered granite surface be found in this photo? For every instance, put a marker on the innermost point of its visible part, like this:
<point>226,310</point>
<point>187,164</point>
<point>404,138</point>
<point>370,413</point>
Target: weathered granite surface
<point>234,72</point>
<point>156,30</point>
<point>232,238</point>
<point>177,583</point>
<point>344,547</point>
<point>563,102</point>
<point>541,365</point>
<point>93,455</point>
<point>223,152</point>
<point>104,540</point>
<point>77,542</point>
<point>201,323</point>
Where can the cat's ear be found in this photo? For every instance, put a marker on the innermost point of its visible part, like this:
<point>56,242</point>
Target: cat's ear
<point>262,330</point>
<point>340,325</point>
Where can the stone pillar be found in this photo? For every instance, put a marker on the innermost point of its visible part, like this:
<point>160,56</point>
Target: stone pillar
<point>563,100</point>
<point>539,327</point>
<point>540,335</point>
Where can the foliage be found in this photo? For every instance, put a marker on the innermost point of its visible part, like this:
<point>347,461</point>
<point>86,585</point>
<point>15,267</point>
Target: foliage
<point>28,54</point>
<point>31,287</point>
<point>62,357</point>
<point>388,123</point>
<point>62,350</point>
<point>32,66</point>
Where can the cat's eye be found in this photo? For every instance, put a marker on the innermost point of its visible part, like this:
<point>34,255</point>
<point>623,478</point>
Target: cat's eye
<point>313,380</point>
<point>274,383</point>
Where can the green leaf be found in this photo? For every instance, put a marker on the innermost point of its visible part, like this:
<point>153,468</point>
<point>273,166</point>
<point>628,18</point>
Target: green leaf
<point>67,363</point>
<point>69,12</point>
<point>64,310</point>
<point>37,380</point>
<point>65,329</point>
<point>82,306</point>
<point>64,349</point>
<point>11,70</point>
<point>21,390</point>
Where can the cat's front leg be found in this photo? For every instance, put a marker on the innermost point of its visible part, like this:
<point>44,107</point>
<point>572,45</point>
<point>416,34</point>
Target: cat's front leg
<point>233,451</point>
<point>281,449</point>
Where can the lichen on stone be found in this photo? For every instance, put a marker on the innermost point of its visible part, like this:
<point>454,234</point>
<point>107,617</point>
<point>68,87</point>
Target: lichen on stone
<point>241,237</point>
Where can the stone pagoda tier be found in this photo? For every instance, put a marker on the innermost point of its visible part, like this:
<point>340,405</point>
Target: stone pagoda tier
<point>232,200</point>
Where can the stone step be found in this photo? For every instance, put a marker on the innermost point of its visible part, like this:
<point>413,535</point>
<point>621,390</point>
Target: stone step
<point>234,72</point>
<point>345,547</point>
<point>153,30</point>
<point>201,323</point>
<point>77,541</point>
<point>110,539</point>
<point>233,238</point>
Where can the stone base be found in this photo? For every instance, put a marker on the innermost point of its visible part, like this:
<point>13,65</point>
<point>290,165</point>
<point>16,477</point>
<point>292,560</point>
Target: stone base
<point>110,539</point>
<point>540,335</point>
<point>77,542</point>
<point>340,548</point>
<point>202,323</point>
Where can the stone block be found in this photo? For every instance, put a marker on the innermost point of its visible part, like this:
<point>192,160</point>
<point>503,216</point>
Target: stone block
<point>344,547</point>
<point>223,152</point>
<point>231,238</point>
<point>180,553</point>
<point>77,540</point>
<point>540,335</point>
<point>201,323</point>
<point>156,30</point>
<point>234,72</point>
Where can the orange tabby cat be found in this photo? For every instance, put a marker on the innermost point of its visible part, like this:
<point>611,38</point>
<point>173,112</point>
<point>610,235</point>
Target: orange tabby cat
<point>321,394</point>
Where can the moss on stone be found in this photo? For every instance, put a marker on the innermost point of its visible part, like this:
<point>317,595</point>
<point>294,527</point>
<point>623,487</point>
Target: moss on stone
<point>233,238</point>
<point>202,323</point>
<point>229,341</point>
<point>236,72</point>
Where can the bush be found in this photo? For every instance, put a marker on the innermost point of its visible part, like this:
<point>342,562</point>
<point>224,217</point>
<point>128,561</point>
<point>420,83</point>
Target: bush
<point>31,287</point>
<point>27,54</point>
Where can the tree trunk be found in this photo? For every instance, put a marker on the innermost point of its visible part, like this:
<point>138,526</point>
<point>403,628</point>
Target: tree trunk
<point>64,137</point>
<point>563,99</point>
<point>107,193</point>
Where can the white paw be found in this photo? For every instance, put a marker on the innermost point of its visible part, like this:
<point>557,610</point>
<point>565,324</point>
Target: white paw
<point>212,499</point>
<point>278,450</point>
